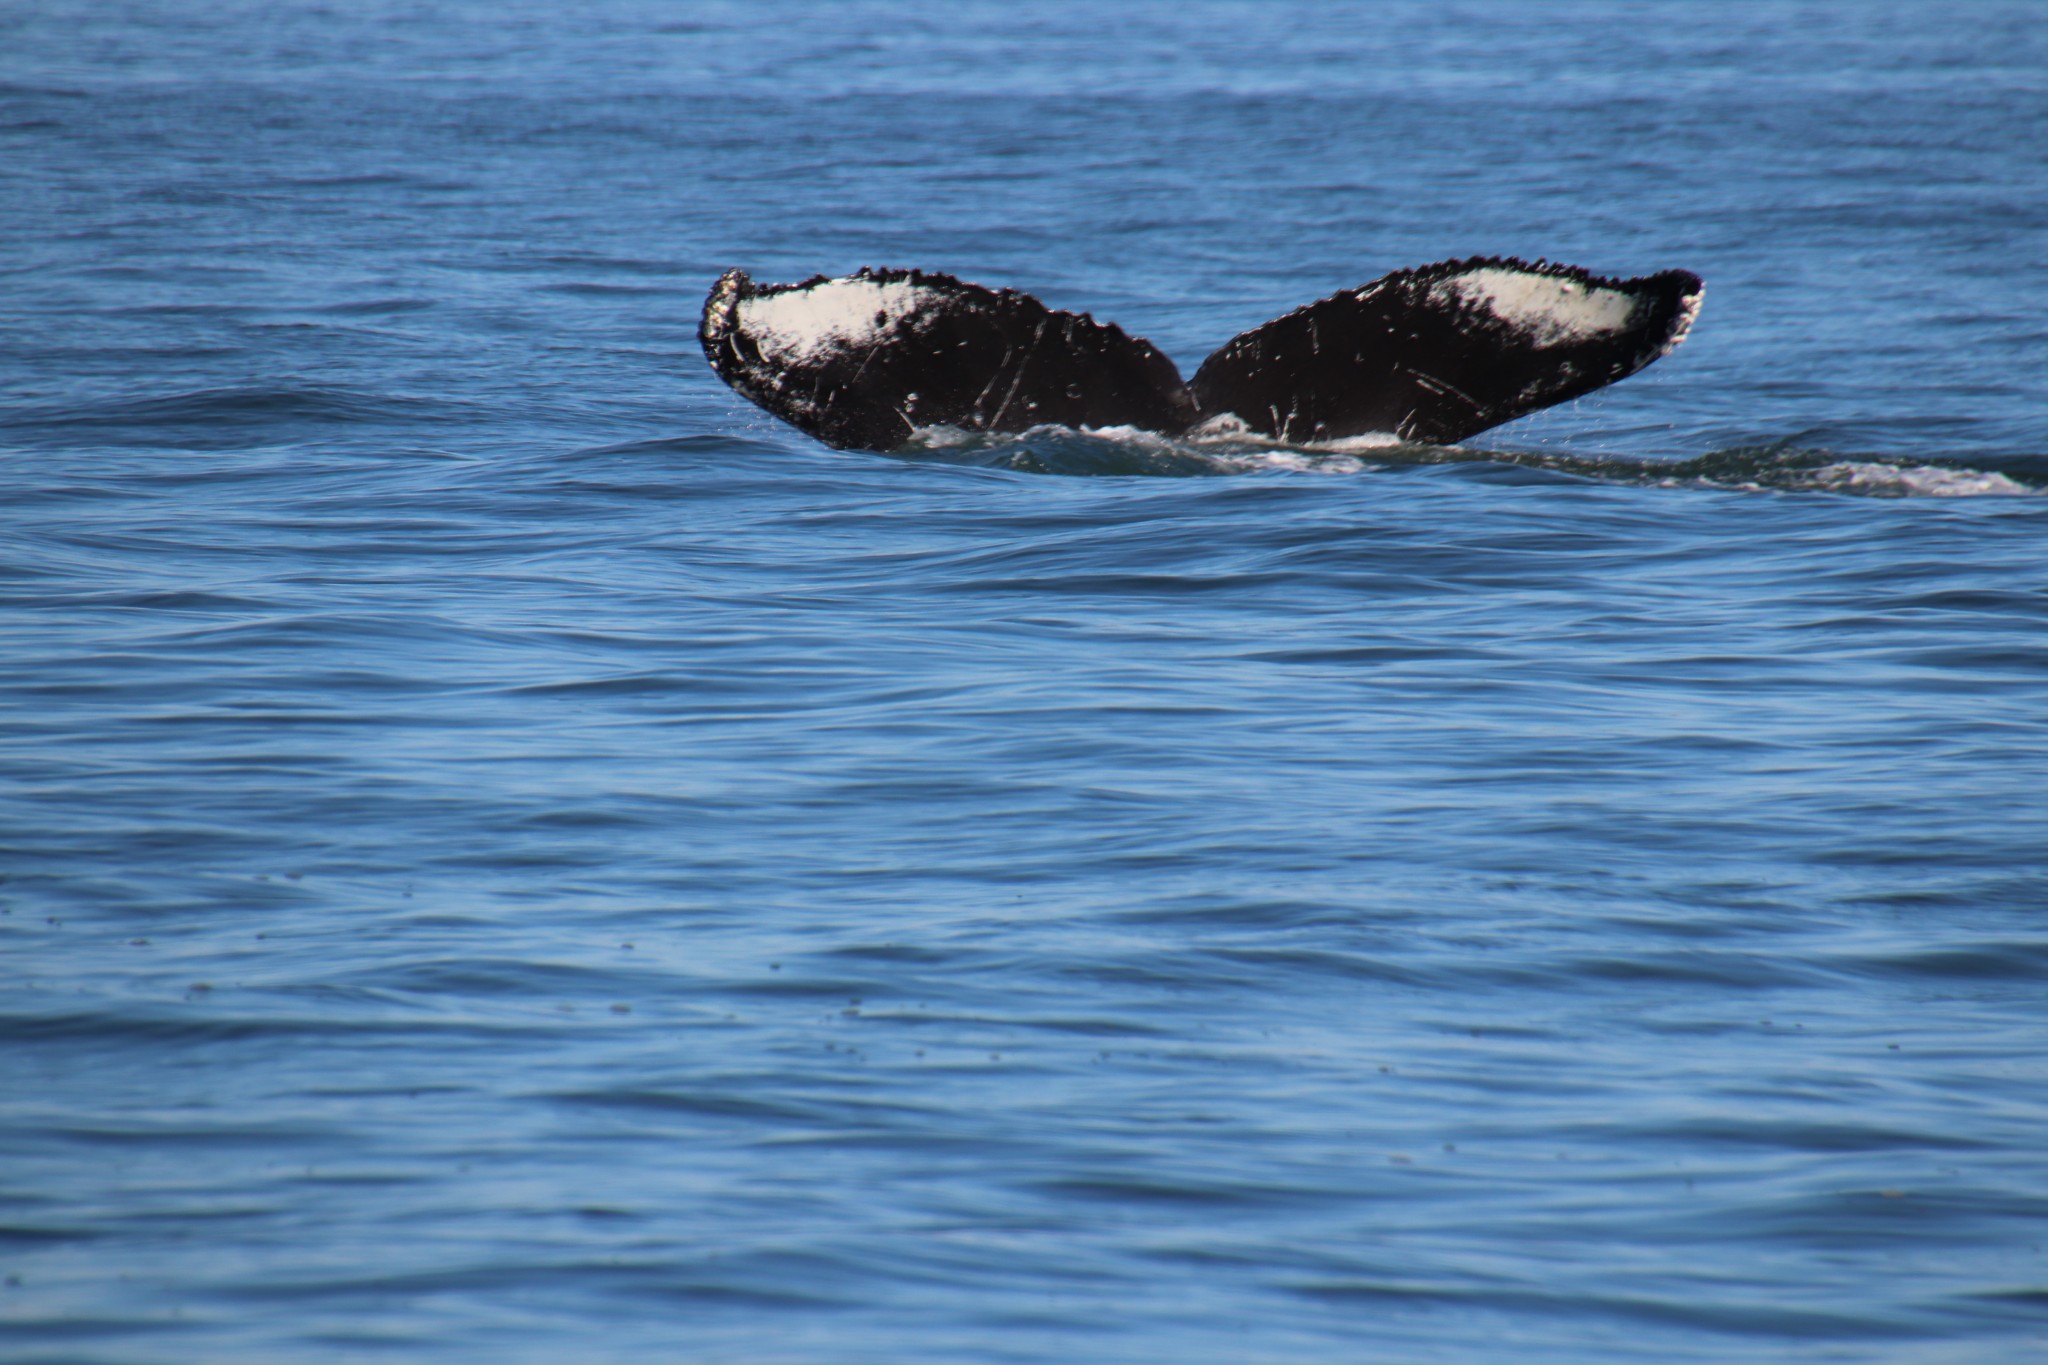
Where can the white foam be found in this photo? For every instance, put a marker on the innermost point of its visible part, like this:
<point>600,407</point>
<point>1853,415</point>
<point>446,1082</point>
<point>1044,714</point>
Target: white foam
<point>1291,461</point>
<point>1228,429</point>
<point>1131,436</point>
<point>943,436</point>
<point>1224,426</point>
<point>1918,481</point>
<point>1224,452</point>
<point>804,326</point>
<point>1365,440</point>
<point>1550,310</point>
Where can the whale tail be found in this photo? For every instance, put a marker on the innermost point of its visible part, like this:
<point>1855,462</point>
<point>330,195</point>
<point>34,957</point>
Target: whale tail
<point>1431,355</point>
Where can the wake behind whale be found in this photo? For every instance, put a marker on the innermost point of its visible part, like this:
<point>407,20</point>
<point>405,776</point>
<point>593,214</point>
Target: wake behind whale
<point>1785,465</point>
<point>1431,355</point>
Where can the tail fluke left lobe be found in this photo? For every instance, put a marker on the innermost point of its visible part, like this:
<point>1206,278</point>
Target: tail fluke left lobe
<point>865,360</point>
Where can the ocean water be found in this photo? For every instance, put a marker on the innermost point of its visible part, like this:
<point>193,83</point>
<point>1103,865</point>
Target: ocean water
<point>511,854</point>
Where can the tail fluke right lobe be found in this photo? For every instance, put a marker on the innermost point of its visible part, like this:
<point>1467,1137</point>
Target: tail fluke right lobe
<point>1437,354</point>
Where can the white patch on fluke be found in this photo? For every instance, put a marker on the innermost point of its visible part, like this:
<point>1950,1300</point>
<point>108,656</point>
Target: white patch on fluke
<point>1550,310</point>
<point>1688,313</point>
<point>804,326</point>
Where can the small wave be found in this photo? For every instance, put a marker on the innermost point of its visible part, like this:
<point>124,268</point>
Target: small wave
<point>224,417</point>
<point>373,308</point>
<point>715,447</point>
<point>599,289</point>
<point>1212,451</point>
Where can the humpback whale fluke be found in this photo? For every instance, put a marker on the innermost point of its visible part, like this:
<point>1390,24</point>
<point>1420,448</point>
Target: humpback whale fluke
<point>1430,355</point>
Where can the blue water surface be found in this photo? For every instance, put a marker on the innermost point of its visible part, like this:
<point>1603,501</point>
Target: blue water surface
<point>511,854</point>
